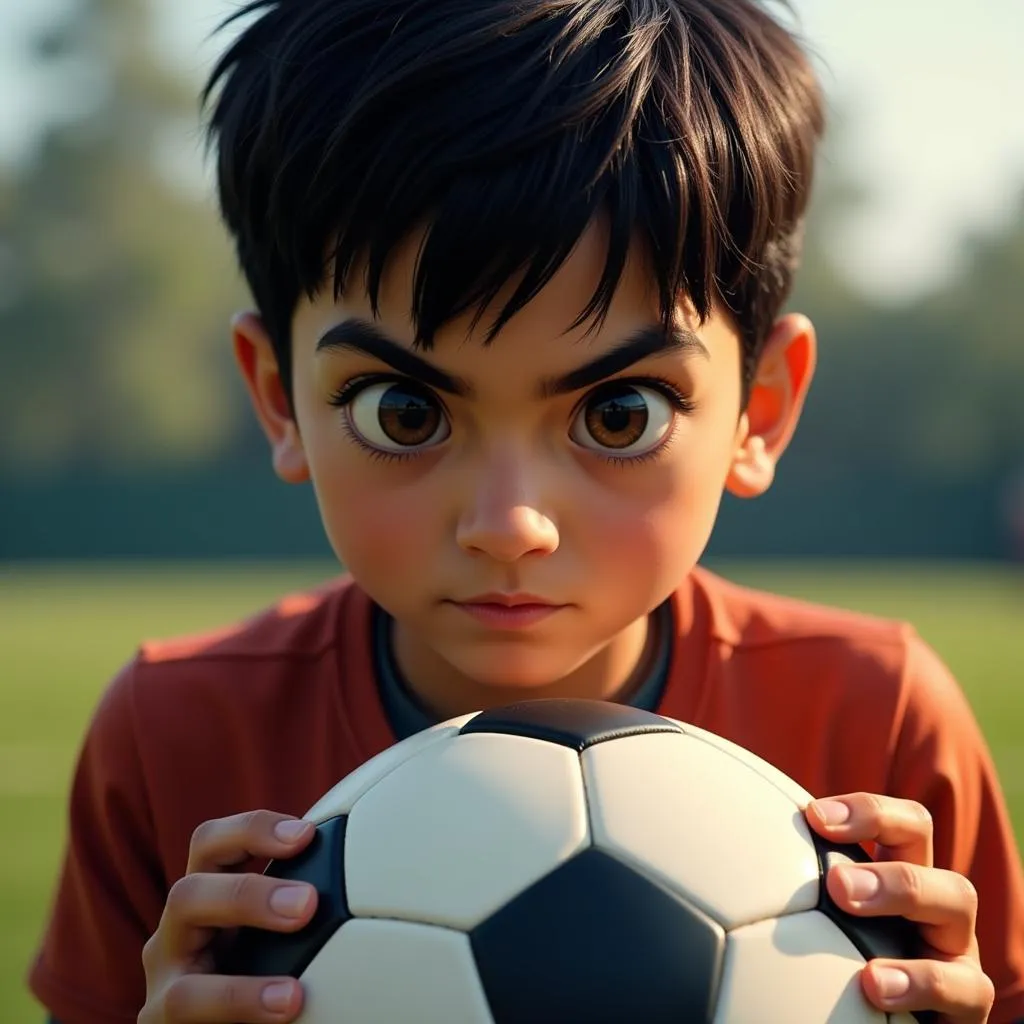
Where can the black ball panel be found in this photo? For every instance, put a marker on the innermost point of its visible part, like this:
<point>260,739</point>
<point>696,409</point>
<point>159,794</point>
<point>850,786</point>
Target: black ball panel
<point>576,724</point>
<point>889,937</point>
<point>321,864</point>
<point>597,942</point>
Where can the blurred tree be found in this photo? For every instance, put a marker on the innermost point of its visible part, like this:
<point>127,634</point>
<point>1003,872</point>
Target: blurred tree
<point>115,280</point>
<point>931,389</point>
<point>970,410</point>
<point>926,389</point>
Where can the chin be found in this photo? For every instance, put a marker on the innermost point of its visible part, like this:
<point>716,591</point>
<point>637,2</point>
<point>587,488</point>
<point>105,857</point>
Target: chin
<point>522,672</point>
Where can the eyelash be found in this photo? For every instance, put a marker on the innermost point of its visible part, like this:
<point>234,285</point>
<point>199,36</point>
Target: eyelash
<point>347,393</point>
<point>678,399</point>
<point>374,454</point>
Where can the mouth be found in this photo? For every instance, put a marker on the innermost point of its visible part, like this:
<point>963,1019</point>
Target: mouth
<point>508,611</point>
<point>510,600</point>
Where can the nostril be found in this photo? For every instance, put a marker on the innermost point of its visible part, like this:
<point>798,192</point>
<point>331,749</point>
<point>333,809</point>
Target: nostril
<point>509,536</point>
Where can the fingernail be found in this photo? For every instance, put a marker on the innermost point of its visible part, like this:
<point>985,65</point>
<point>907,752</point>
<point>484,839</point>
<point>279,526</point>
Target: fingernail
<point>860,885</point>
<point>832,812</point>
<point>277,997</point>
<point>290,900</point>
<point>892,982</point>
<point>289,831</point>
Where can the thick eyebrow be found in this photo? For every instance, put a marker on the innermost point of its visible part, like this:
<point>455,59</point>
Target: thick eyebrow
<point>362,336</point>
<point>648,341</point>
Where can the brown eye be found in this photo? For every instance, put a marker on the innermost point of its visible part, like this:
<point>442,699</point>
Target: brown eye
<point>394,416</point>
<point>624,419</point>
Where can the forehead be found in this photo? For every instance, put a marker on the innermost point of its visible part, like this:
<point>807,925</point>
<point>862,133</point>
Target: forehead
<point>540,339</point>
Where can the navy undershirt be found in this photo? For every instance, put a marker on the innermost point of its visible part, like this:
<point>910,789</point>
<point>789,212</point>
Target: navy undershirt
<point>407,715</point>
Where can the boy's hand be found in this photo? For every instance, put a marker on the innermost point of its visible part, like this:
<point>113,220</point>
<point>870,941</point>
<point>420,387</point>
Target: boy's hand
<point>178,958</point>
<point>904,883</point>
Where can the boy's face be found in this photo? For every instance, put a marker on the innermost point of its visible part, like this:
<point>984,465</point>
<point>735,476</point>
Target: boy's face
<point>522,467</point>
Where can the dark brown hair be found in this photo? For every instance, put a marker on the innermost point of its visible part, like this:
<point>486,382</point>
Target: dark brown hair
<point>506,127</point>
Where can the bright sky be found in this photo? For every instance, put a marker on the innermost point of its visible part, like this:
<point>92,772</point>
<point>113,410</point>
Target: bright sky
<point>937,88</point>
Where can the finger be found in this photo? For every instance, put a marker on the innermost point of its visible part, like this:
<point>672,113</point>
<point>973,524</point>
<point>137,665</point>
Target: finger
<point>217,999</point>
<point>958,989</point>
<point>943,903</point>
<point>227,842</point>
<point>201,902</point>
<point>903,828</point>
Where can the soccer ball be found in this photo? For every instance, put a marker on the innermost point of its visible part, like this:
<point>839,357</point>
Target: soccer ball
<point>577,862</point>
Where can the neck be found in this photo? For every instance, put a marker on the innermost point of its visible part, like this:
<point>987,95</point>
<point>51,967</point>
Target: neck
<point>610,673</point>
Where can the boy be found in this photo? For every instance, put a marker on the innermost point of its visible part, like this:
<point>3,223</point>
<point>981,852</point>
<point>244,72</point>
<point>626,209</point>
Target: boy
<point>519,267</point>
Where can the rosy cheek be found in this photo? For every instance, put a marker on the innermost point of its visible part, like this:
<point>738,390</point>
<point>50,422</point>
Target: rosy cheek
<point>653,524</point>
<point>636,540</point>
<point>377,535</point>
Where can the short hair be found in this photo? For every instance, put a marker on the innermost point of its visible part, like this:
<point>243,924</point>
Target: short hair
<point>504,128</point>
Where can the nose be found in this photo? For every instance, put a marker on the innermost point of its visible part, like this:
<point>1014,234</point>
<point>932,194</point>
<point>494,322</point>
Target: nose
<point>503,518</point>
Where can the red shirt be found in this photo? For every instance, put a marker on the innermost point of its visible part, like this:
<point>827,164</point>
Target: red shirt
<point>273,712</point>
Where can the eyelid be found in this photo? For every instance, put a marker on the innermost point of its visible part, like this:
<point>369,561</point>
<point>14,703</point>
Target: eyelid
<point>669,390</point>
<point>354,386</point>
<point>347,392</point>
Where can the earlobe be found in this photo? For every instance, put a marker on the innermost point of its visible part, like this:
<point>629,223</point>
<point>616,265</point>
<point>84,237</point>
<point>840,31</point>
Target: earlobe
<point>777,398</point>
<point>257,364</point>
<point>753,469</point>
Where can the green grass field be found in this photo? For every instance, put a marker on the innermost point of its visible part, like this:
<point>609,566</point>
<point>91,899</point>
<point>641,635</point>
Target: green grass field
<point>64,633</point>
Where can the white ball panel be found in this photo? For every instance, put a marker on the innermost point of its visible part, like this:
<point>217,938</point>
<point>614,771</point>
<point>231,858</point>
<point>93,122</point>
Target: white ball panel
<point>386,972</point>
<point>795,970</point>
<point>341,798</point>
<point>704,823</point>
<point>792,789</point>
<point>455,832</point>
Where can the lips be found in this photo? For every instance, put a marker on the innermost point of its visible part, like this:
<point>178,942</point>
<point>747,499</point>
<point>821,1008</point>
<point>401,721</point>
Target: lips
<point>510,600</point>
<point>498,611</point>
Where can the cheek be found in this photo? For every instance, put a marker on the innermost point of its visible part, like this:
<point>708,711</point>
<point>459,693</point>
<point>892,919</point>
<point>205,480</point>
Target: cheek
<point>661,538</point>
<point>654,522</point>
<point>378,535</point>
<point>376,515</point>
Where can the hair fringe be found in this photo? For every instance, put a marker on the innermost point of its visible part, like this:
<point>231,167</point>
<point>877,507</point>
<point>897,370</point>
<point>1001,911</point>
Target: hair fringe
<point>505,128</point>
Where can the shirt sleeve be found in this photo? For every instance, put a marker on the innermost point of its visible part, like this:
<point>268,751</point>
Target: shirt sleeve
<point>942,761</point>
<point>111,889</point>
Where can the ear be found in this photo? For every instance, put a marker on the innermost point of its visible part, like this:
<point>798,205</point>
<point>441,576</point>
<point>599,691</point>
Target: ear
<point>777,397</point>
<point>258,365</point>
